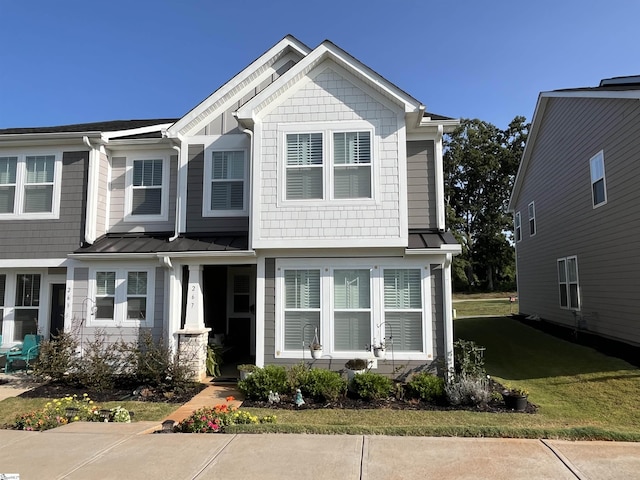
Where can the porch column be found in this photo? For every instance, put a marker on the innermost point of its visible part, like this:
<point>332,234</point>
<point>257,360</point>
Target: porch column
<point>194,338</point>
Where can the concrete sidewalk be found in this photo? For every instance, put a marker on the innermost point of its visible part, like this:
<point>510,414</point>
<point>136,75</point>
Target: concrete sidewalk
<point>115,451</point>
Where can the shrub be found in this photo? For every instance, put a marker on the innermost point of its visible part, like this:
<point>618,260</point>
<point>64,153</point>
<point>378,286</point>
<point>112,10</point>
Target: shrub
<point>469,358</point>
<point>270,378</point>
<point>427,387</point>
<point>216,419</point>
<point>468,390</point>
<point>99,363</point>
<point>323,384</point>
<point>57,358</point>
<point>371,386</point>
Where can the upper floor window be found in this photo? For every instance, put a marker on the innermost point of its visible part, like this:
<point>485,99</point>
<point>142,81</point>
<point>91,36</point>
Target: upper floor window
<point>147,188</point>
<point>517,223</point>
<point>598,182</point>
<point>324,163</point>
<point>225,188</point>
<point>532,219</point>
<point>30,186</point>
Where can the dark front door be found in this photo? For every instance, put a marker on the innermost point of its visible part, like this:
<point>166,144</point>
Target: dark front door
<point>57,309</point>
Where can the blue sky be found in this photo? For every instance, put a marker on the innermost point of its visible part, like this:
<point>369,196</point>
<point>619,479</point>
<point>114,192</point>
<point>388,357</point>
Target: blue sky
<point>76,61</point>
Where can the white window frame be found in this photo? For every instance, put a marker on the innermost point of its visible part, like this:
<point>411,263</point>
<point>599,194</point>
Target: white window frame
<point>20,184</point>
<point>208,181</point>
<point>327,268</point>
<point>163,216</point>
<point>120,299</point>
<point>533,227</point>
<point>517,227</point>
<point>567,283</point>
<point>328,165</point>
<point>598,158</point>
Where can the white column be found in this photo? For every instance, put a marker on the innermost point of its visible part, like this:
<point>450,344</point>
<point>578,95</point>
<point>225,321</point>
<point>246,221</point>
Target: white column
<point>447,313</point>
<point>194,318</point>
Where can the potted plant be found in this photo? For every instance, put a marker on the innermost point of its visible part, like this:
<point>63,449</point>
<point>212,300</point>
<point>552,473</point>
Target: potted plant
<point>379,349</point>
<point>316,350</point>
<point>355,366</point>
<point>246,369</point>
<point>515,399</point>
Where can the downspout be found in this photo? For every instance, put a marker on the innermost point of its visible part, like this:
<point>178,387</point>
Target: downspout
<point>250,189</point>
<point>176,229</point>
<point>440,217</point>
<point>91,213</point>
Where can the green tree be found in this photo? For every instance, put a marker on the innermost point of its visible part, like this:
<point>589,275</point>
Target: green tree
<point>480,164</point>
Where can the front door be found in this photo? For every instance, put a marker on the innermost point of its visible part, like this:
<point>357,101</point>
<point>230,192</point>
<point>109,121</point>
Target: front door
<point>57,309</point>
<point>241,323</point>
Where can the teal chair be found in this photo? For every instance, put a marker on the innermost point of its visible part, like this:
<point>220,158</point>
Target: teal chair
<point>29,351</point>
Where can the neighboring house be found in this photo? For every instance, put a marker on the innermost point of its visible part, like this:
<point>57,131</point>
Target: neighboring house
<point>575,205</point>
<point>303,197</point>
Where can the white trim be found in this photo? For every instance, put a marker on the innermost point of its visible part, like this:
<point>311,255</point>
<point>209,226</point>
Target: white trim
<point>131,157</point>
<point>93,178</point>
<point>329,243</point>
<point>630,94</point>
<point>33,262</point>
<point>439,179</point>
<point>259,315</point>
<point>20,184</point>
<point>403,188</point>
<point>136,131</point>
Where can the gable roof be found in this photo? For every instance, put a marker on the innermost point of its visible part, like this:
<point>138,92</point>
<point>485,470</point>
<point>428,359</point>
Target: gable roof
<point>328,50</point>
<point>234,85</point>
<point>108,126</point>
<point>616,87</point>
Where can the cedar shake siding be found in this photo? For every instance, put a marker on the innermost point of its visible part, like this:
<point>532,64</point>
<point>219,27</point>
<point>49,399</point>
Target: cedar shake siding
<point>196,223</point>
<point>52,238</point>
<point>606,239</point>
<point>421,188</point>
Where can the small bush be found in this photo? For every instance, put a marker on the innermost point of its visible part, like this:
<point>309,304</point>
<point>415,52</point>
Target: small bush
<point>323,384</point>
<point>216,419</point>
<point>371,386</point>
<point>426,387</point>
<point>468,390</point>
<point>270,378</point>
<point>99,364</point>
<point>469,358</point>
<point>57,358</point>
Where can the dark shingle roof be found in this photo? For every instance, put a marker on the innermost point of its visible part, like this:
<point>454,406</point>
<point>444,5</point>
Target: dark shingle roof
<point>435,116</point>
<point>110,126</point>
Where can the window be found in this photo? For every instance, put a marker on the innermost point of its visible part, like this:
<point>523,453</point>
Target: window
<point>225,183</point>
<point>352,164</point>
<point>532,219</point>
<point>301,307</point>
<point>351,303</point>
<point>352,309</point>
<point>598,183</point>
<point>26,306</point>
<point>123,296</point>
<point>29,186</point>
<point>517,227</point>
<point>304,166</point>
<point>147,187</point>
<point>568,283</point>
<point>403,308</point>
<point>3,283</point>
<point>147,191</point>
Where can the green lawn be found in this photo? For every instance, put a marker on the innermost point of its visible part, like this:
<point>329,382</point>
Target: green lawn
<point>494,306</point>
<point>581,394</point>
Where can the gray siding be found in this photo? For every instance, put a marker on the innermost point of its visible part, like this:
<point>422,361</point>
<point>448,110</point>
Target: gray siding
<point>195,221</point>
<point>605,239</point>
<point>421,186</point>
<point>52,238</point>
<point>437,314</point>
<point>117,203</point>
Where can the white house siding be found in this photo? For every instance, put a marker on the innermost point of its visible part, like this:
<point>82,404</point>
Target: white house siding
<point>604,239</point>
<point>333,99</point>
<point>103,195</point>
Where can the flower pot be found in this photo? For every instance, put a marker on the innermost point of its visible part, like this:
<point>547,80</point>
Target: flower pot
<point>316,353</point>
<point>379,352</point>
<point>353,373</point>
<point>515,402</point>
<point>244,374</point>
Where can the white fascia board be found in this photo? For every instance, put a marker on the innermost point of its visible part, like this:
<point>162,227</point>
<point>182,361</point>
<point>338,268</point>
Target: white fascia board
<point>136,131</point>
<point>73,140</point>
<point>632,94</point>
<point>288,42</point>
<point>247,256</point>
<point>354,242</point>
<point>316,57</point>
<point>538,113</point>
<point>33,262</point>
<point>113,256</point>
<point>443,249</point>
<point>448,126</point>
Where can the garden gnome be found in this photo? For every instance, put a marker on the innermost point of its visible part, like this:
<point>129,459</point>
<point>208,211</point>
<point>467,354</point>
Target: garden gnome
<point>273,398</point>
<point>299,400</point>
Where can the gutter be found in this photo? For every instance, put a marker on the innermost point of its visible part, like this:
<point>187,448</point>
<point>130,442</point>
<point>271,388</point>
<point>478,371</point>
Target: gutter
<point>176,228</point>
<point>92,191</point>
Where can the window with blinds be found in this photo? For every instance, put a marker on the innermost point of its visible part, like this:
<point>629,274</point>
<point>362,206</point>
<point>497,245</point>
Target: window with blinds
<point>147,187</point>
<point>304,172</point>
<point>136,295</point>
<point>352,309</point>
<point>105,295</point>
<point>123,296</point>
<point>301,307</point>
<point>28,185</point>
<point>8,167</point>
<point>227,180</point>
<point>26,305</point>
<point>403,309</point>
<point>352,164</point>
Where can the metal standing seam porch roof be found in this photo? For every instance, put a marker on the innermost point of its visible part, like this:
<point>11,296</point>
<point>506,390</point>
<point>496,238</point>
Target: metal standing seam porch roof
<point>423,239</point>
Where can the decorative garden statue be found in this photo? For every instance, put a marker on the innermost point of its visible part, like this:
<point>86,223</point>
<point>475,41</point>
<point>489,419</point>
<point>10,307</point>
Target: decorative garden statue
<point>299,400</point>
<point>273,398</point>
